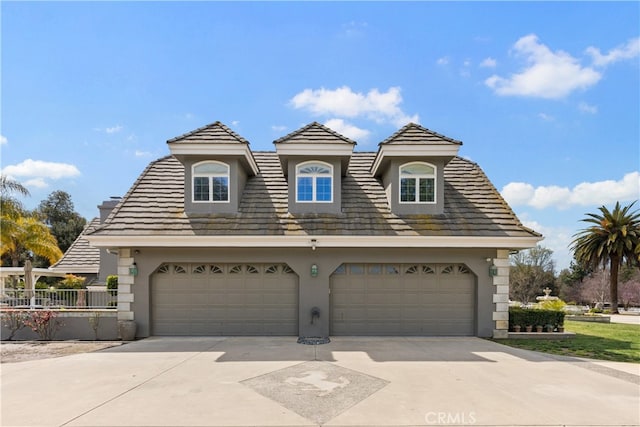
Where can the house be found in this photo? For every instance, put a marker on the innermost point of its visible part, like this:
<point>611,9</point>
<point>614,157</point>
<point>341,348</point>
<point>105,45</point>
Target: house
<point>313,239</point>
<point>82,259</point>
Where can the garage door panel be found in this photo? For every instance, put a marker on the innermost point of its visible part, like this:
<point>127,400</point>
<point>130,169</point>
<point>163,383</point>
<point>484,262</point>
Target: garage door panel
<point>224,299</point>
<point>403,300</point>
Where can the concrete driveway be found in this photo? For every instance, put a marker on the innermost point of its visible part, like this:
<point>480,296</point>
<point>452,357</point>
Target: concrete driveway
<point>349,382</point>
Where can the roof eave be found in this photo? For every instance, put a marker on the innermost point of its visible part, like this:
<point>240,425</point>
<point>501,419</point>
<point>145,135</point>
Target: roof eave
<point>320,241</point>
<point>412,150</point>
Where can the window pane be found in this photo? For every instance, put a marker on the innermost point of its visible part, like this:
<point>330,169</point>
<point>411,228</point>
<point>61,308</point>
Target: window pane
<point>201,188</point>
<point>220,189</point>
<point>408,190</point>
<point>426,190</point>
<point>211,168</point>
<point>305,189</point>
<point>323,189</point>
<point>417,169</point>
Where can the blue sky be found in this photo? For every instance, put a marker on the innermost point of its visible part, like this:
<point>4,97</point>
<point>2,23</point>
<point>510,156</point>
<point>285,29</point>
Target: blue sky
<point>544,95</point>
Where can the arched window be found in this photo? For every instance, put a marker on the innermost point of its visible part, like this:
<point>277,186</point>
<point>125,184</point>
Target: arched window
<point>210,182</point>
<point>314,182</point>
<point>417,183</point>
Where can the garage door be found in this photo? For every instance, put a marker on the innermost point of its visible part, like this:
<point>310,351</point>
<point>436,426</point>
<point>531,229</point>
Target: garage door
<point>402,299</point>
<point>224,299</point>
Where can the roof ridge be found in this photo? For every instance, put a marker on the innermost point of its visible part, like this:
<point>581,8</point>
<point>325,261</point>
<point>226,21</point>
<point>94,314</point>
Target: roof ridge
<point>422,128</point>
<point>218,124</point>
<point>315,124</point>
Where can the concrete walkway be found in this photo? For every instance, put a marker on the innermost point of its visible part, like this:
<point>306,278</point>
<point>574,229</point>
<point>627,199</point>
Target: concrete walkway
<point>629,319</point>
<point>349,382</point>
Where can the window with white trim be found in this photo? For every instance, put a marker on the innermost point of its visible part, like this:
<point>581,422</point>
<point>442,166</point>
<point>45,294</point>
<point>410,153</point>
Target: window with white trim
<point>314,182</point>
<point>210,182</point>
<point>417,183</point>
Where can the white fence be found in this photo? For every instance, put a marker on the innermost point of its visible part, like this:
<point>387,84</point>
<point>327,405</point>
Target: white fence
<point>59,298</point>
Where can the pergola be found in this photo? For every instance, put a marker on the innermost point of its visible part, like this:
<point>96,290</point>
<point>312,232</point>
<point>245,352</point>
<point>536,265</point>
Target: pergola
<point>30,276</point>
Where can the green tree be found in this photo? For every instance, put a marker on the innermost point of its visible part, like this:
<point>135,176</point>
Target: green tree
<point>531,271</point>
<point>613,238</point>
<point>570,281</point>
<point>57,211</point>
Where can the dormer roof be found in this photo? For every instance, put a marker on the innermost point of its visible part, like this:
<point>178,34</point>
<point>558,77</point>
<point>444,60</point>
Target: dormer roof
<point>314,140</point>
<point>414,140</point>
<point>213,140</point>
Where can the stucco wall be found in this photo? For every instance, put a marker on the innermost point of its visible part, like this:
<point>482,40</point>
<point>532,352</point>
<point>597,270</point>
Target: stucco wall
<point>134,301</point>
<point>75,326</point>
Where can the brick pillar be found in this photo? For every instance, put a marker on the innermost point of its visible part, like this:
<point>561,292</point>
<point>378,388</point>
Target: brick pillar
<point>125,283</point>
<point>501,295</point>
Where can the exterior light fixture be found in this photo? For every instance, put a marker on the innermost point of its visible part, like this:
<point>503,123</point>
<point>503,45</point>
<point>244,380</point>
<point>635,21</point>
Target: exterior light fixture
<point>313,244</point>
<point>314,270</point>
<point>133,269</point>
<point>493,270</point>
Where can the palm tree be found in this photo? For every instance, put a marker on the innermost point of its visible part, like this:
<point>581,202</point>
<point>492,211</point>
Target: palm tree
<point>20,232</point>
<point>614,238</point>
<point>31,235</point>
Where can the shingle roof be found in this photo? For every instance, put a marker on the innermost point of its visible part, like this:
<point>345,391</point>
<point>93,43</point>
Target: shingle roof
<point>215,132</point>
<point>314,133</point>
<point>155,206</point>
<point>80,257</point>
<point>415,134</point>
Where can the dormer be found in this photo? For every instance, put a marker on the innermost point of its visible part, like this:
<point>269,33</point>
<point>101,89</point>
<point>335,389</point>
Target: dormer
<point>411,164</point>
<point>314,159</point>
<point>217,163</point>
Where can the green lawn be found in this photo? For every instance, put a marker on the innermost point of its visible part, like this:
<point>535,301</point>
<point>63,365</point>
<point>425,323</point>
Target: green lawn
<point>605,341</point>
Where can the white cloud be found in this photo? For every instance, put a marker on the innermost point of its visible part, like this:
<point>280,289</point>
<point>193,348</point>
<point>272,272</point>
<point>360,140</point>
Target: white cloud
<point>584,194</point>
<point>546,117</point>
<point>34,169</point>
<point>278,128</point>
<point>140,153</point>
<point>36,183</point>
<point>347,129</point>
<point>235,122</point>
<point>558,239</point>
<point>113,129</point>
<point>343,102</point>
<point>354,29</point>
<point>629,50</point>
<point>586,108</point>
<point>443,61</point>
<point>489,63</point>
<point>3,140</point>
<point>548,74</point>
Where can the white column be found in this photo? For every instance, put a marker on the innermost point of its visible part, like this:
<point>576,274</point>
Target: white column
<point>125,285</point>
<point>501,295</point>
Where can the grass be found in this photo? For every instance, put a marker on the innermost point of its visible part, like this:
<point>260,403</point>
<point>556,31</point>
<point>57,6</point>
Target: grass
<point>604,341</point>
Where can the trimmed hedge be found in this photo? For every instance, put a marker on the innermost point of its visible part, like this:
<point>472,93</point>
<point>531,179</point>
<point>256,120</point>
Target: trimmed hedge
<point>535,317</point>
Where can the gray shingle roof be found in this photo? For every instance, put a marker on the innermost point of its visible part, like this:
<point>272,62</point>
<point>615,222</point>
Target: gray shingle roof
<point>215,132</point>
<point>415,134</point>
<point>155,206</point>
<point>80,257</point>
<point>314,133</point>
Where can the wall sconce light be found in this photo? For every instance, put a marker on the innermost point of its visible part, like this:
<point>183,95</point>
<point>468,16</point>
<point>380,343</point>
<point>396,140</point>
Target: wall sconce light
<point>313,244</point>
<point>314,270</point>
<point>133,269</point>
<point>493,270</point>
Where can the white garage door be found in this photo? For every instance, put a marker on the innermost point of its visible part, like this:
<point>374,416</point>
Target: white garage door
<point>402,299</point>
<point>224,299</point>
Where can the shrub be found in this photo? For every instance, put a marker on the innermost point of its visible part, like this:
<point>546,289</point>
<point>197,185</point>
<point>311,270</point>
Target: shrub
<point>71,282</point>
<point>556,305</point>
<point>14,320</point>
<point>535,317</point>
<point>44,323</point>
<point>112,284</point>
